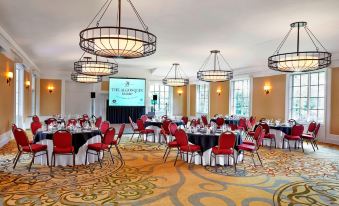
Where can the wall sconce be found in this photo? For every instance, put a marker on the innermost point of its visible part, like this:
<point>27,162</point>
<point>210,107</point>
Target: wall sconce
<point>9,77</point>
<point>219,91</point>
<point>50,89</point>
<point>267,89</point>
<point>27,84</point>
<point>180,92</point>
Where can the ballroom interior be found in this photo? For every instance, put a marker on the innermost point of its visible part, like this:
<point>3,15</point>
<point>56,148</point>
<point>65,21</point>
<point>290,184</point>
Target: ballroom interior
<point>135,102</point>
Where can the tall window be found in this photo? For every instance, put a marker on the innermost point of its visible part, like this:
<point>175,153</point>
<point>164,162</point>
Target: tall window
<point>202,98</point>
<point>240,97</point>
<point>33,94</point>
<point>19,95</point>
<point>163,104</point>
<point>307,97</point>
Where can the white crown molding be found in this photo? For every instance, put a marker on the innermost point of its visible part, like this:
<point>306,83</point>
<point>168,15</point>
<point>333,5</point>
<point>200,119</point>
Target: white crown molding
<point>13,50</point>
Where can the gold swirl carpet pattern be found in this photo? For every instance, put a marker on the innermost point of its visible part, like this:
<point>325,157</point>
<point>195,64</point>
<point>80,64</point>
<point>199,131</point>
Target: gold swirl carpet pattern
<point>141,178</point>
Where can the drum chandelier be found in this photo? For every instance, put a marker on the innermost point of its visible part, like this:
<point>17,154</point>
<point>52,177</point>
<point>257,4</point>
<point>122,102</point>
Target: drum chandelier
<point>300,61</point>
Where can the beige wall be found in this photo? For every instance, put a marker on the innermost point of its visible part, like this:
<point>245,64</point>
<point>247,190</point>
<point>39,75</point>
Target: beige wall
<point>272,105</point>
<point>219,104</point>
<point>50,104</point>
<point>27,95</point>
<point>104,86</point>
<point>6,94</point>
<point>193,91</point>
<point>334,127</point>
<point>180,101</point>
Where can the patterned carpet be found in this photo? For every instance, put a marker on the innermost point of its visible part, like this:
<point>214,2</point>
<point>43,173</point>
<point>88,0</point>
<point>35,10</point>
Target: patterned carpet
<point>287,178</point>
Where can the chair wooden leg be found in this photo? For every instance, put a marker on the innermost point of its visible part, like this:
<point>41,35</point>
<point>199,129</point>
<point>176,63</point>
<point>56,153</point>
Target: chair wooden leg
<point>118,150</point>
<point>302,144</point>
<point>189,163</point>
<point>30,164</point>
<point>312,146</point>
<point>111,155</point>
<point>16,156</point>
<point>98,153</point>
<point>275,143</point>
<point>259,158</point>
<point>17,159</point>
<point>289,146</point>
<point>47,158</point>
<point>165,153</point>
<point>252,155</point>
<point>132,137</point>
<point>176,157</point>
<point>235,163</point>
<point>316,144</point>
<point>86,157</point>
<point>73,154</point>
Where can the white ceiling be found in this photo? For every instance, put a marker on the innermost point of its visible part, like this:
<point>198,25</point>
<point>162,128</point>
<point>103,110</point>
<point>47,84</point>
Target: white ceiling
<point>246,31</point>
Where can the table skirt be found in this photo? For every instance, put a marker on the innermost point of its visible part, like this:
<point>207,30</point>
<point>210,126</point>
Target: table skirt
<point>279,135</point>
<point>65,160</point>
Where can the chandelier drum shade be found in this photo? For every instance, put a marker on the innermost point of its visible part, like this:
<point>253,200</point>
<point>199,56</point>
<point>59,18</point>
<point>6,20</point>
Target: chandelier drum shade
<point>217,73</point>
<point>300,61</point>
<point>177,80</point>
<point>117,41</point>
<point>81,78</point>
<point>87,66</point>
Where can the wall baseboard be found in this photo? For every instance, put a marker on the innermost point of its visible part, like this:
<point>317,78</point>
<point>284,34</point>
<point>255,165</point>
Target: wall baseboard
<point>4,138</point>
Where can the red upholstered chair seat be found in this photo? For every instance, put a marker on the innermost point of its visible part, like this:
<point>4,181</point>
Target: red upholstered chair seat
<point>216,150</point>
<point>98,146</point>
<point>173,144</point>
<point>307,136</point>
<point>248,142</point>
<point>246,147</point>
<point>35,148</point>
<point>251,133</point>
<point>190,148</point>
<point>63,150</point>
<point>291,137</point>
<point>147,131</point>
<point>269,136</point>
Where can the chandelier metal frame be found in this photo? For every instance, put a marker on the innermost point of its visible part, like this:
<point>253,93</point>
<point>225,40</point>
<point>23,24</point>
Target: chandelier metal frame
<point>300,61</point>
<point>117,41</point>
<point>90,67</point>
<point>217,74</point>
<point>81,78</point>
<point>178,80</point>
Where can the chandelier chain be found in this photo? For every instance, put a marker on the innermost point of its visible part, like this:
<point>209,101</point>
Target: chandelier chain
<point>205,62</point>
<point>316,38</point>
<point>103,13</point>
<point>138,15</point>
<point>316,47</point>
<point>102,7</point>
<point>282,42</point>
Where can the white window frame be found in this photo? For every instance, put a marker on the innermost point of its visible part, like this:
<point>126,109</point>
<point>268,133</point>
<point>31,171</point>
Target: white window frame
<point>206,97</point>
<point>160,95</point>
<point>290,93</point>
<point>19,95</point>
<point>250,83</point>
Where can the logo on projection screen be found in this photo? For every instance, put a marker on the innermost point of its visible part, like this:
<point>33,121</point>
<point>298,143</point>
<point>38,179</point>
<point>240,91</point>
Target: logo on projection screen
<point>127,92</point>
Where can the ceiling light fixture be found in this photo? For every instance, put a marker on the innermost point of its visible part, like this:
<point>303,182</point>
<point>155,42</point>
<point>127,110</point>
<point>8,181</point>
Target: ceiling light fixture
<point>217,74</point>
<point>81,78</point>
<point>300,61</point>
<point>178,80</point>
<point>87,66</point>
<point>117,41</point>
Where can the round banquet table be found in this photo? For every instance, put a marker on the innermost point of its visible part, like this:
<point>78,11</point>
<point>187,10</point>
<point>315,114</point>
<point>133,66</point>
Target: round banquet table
<point>279,131</point>
<point>206,142</point>
<point>80,140</point>
<point>228,121</point>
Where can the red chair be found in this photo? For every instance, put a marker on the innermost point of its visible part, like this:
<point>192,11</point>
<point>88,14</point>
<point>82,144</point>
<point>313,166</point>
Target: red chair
<point>117,141</point>
<point>35,126</point>
<point>184,120</point>
<point>35,119</point>
<point>71,122</point>
<point>104,127</point>
<point>143,131</point>
<point>165,125</point>
<point>50,120</point>
<point>172,128</point>
<point>194,122</point>
<point>204,120</point>
<point>98,122</point>
<point>85,116</point>
<point>252,120</point>
<point>24,146</point>
<point>242,125</point>
<point>220,121</point>
<point>225,147</point>
<point>14,127</point>
<point>105,145</point>
<point>82,121</point>
<point>185,147</point>
<point>62,145</point>
<point>134,127</point>
<point>144,118</point>
<point>297,131</point>
<point>268,135</point>
<point>312,138</point>
<point>253,149</point>
<point>170,144</point>
<point>311,127</point>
